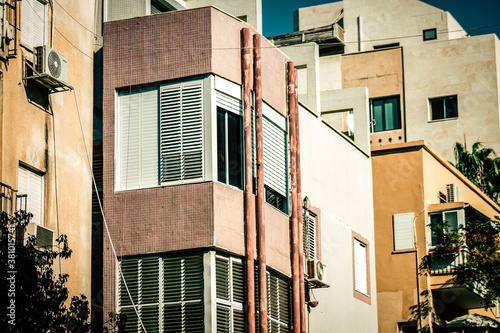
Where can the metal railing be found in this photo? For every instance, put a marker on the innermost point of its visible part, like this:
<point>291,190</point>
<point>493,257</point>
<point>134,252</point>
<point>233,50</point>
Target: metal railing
<point>8,198</point>
<point>442,265</point>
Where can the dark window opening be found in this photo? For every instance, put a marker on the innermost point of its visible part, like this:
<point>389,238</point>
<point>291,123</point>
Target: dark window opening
<point>275,199</point>
<point>430,34</point>
<point>444,108</point>
<point>243,18</point>
<point>229,145</point>
<point>158,7</point>
<point>385,46</point>
<point>386,114</point>
<point>330,47</point>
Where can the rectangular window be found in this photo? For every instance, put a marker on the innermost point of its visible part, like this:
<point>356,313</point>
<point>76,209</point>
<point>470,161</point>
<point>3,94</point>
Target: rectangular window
<point>229,140</point>
<point>429,34</point>
<point>361,268</point>
<point>160,135</point>
<point>442,222</point>
<point>444,107</point>
<point>407,327</point>
<point>31,185</point>
<point>230,294</point>
<point>278,304</point>
<point>275,158</point>
<point>34,27</point>
<point>385,114</point>
<point>168,287</point>
<point>309,226</point>
<point>403,231</point>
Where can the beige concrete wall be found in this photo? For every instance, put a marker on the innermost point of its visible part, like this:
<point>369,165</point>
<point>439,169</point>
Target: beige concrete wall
<point>336,178</point>
<point>317,16</point>
<point>466,67</point>
<point>49,140</point>
<point>332,74</point>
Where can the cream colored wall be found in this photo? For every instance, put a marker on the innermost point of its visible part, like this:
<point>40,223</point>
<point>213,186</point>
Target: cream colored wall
<point>317,16</point>
<point>466,67</point>
<point>37,137</point>
<point>331,67</point>
<point>336,178</point>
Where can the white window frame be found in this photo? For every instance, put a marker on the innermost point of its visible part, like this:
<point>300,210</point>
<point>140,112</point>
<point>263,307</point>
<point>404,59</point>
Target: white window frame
<point>31,14</point>
<point>403,231</point>
<point>32,185</point>
<point>460,221</point>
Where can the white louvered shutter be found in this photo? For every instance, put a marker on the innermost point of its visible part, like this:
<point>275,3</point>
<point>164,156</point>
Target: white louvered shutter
<point>138,139</point>
<point>360,269</point>
<point>403,231</point>
<point>275,170</point>
<point>230,294</point>
<point>181,123</point>
<point>309,226</point>
<point>278,304</point>
<point>34,22</point>
<point>31,184</point>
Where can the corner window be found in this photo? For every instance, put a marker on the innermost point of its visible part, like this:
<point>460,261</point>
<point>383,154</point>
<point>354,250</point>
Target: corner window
<point>30,186</point>
<point>443,222</point>
<point>444,107</point>
<point>34,23</point>
<point>429,34</point>
<point>230,294</point>
<point>385,114</point>
<point>361,267</point>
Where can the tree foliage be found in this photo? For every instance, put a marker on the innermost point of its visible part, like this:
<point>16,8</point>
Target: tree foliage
<point>481,166</point>
<point>33,296</point>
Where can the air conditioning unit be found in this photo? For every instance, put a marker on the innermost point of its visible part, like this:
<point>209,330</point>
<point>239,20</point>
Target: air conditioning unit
<point>453,193</point>
<point>51,65</point>
<point>44,236</point>
<point>316,272</point>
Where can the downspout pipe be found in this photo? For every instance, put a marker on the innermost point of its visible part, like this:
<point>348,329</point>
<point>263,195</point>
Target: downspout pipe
<point>259,204</point>
<point>292,116</point>
<point>248,196</point>
<point>300,224</point>
<point>51,4</point>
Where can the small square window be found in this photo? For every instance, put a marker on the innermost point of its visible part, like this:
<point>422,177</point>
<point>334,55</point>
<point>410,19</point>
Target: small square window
<point>444,107</point>
<point>430,34</point>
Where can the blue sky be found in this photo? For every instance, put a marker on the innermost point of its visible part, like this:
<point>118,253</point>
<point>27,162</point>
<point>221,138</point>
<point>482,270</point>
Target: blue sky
<point>278,14</point>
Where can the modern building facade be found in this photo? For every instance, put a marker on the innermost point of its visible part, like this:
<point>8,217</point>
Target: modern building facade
<point>46,124</point>
<point>416,186</point>
<point>427,79</point>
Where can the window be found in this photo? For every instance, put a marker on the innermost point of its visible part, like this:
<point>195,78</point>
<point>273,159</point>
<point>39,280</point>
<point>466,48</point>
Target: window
<point>407,327</point>
<point>309,235</point>
<point>31,185</point>
<point>444,107</point>
<point>147,157</point>
<point>386,114</point>
<point>167,291</point>
<point>34,27</point>
<point>278,304</point>
<point>430,34</point>
<point>444,221</point>
<point>385,46</point>
<point>361,268</point>
<point>229,140</point>
<point>230,294</point>
<point>403,231</point>
<point>275,158</point>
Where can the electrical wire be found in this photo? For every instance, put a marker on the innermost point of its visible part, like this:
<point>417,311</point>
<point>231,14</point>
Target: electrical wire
<point>103,217</point>
<point>74,19</point>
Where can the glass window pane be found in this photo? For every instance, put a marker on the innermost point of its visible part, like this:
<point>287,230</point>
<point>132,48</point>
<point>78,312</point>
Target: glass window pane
<point>437,109</point>
<point>378,116</point>
<point>221,145</point>
<point>436,233</point>
<point>452,220</point>
<point>234,149</point>
<point>451,107</point>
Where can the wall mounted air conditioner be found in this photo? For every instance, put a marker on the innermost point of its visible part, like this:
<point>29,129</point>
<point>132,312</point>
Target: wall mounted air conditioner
<point>51,65</point>
<point>453,193</point>
<point>44,236</point>
<point>316,272</point>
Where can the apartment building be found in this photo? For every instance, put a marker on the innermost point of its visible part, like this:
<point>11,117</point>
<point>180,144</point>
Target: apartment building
<point>416,186</point>
<point>427,79</point>
<point>46,124</point>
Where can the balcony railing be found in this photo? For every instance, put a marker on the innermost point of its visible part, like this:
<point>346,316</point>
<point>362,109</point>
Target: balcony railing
<point>442,265</point>
<point>8,199</point>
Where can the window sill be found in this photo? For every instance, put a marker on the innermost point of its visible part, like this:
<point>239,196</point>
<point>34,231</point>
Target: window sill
<point>403,251</point>
<point>441,120</point>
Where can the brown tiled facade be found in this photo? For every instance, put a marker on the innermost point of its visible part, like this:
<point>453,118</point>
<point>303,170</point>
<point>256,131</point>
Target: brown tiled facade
<point>197,215</point>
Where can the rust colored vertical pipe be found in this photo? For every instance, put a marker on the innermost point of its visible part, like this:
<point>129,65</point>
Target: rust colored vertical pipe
<point>292,115</point>
<point>259,204</point>
<point>249,222</point>
<point>300,220</point>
